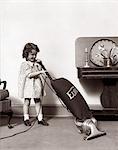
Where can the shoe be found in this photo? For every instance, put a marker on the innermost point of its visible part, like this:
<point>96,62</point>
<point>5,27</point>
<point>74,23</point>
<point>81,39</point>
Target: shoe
<point>43,122</point>
<point>27,123</point>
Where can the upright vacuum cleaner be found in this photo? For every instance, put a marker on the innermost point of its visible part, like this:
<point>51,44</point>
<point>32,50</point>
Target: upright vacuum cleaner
<point>76,104</point>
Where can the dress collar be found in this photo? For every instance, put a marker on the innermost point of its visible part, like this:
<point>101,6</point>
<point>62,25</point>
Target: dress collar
<point>32,63</point>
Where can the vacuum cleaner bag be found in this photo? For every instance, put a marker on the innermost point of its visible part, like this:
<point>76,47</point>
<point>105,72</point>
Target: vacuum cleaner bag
<point>72,98</point>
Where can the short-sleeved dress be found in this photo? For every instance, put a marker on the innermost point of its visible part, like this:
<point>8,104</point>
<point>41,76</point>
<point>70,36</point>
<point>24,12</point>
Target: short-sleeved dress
<point>29,87</point>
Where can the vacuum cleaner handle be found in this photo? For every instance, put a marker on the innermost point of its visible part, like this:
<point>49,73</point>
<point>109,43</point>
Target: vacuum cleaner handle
<point>40,62</point>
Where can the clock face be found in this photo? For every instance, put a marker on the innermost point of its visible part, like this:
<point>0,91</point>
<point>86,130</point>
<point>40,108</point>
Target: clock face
<point>104,49</point>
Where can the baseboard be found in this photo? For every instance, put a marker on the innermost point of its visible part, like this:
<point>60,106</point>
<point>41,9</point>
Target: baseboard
<point>48,110</point>
<point>59,111</point>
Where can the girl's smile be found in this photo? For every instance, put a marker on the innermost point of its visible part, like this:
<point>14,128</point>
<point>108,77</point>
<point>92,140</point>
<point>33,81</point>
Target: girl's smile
<point>32,55</point>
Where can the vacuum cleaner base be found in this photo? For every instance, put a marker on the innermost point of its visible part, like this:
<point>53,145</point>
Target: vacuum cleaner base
<point>94,133</point>
<point>89,128</point>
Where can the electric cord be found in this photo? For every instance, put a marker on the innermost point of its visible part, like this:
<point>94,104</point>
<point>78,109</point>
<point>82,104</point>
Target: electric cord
<point>50,77</point>
<point>34,120</point>
<point>5,137</point>
<point>56,95</point>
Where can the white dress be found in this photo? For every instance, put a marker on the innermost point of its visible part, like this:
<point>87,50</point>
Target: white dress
<point>29,87</point>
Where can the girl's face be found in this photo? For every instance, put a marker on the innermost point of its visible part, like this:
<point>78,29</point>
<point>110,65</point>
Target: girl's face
<point>32,55</point>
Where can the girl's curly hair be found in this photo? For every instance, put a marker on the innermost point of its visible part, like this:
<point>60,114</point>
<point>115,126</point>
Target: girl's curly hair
<point>28,48</point>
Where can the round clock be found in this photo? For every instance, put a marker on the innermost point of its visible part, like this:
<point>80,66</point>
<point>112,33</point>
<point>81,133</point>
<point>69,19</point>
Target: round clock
<point>104,49</point>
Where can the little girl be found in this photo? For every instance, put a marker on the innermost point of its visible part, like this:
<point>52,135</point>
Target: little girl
<point>30,83</point>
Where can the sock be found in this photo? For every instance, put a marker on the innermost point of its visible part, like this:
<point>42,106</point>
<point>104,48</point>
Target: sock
<point>40,117</point>
<point>26,117</point>
<point>39,111</point>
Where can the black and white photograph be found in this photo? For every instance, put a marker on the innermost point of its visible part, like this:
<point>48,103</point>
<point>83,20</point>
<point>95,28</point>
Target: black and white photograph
<point>58,75</point>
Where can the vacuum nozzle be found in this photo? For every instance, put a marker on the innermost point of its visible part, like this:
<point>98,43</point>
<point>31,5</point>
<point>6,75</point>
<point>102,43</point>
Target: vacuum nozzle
<point>89,127</point>
<point>93,131</point>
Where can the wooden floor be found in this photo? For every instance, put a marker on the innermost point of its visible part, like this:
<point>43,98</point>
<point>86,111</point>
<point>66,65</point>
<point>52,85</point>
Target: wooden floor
<point>62,134</point>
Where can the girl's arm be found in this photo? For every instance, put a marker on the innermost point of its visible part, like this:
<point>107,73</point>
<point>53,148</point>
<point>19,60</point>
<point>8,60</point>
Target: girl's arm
<point>35,74</point>
<point>27,71</point>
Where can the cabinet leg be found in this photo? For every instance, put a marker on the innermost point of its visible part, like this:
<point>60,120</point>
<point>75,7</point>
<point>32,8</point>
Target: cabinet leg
<point>109,96</point>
